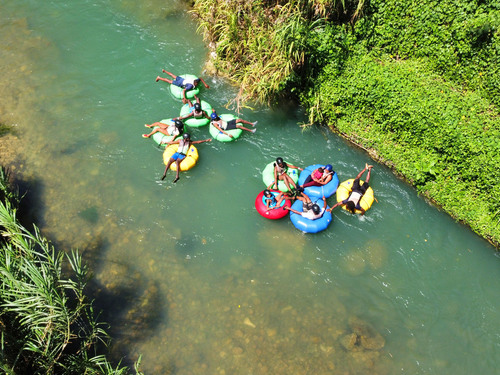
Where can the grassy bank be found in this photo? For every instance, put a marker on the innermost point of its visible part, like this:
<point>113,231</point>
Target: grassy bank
<point>415,84</point>
<point>48,325</point>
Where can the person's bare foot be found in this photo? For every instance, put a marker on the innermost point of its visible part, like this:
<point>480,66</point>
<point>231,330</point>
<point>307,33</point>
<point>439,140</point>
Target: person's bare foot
<point>145,136</point>
<point>157,78</point>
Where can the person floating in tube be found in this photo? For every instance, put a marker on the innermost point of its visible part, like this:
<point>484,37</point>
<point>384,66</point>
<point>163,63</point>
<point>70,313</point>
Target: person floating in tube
<point>352,203</point>
<point>195,110</point>
<point>222,125</point>
<point>184,83</point>
<point>280,173</point>
<point>310,210</point>
<point>320,176</point>
<point>181,153</point>
<point>175,128</point>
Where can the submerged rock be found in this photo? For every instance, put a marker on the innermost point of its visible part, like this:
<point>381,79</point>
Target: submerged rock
<point>368,337</point>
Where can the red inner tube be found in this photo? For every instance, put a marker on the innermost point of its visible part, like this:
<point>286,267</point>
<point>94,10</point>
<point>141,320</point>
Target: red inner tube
<point>275,213</point>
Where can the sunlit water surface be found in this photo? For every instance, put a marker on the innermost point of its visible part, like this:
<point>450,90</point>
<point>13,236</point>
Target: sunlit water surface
<point>189,274</point>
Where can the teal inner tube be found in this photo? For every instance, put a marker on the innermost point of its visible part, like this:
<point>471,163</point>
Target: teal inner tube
<point>193,121</point>
<point>220,136</point>
<point>177,91</point>
<point>268,176</point>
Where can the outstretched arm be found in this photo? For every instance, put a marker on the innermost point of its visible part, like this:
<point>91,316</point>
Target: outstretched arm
<point>201,79</point>
<point>190,114</point>
<point>170,142</point>
<point>202,141</point>
<point>293,166</point>
<point>335,205</point>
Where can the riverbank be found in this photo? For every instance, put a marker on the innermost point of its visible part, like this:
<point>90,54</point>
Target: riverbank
<point>430,115</point>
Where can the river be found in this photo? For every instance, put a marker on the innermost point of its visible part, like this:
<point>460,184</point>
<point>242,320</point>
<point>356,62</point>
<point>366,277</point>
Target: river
<point>189,275</point>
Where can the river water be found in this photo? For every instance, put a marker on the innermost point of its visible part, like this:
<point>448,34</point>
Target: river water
<point>189,274</point>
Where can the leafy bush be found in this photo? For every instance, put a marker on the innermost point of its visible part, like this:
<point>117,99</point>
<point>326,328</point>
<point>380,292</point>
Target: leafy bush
<point>442,140</point>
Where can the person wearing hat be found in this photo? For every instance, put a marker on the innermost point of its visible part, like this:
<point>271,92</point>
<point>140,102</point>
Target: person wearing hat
<point>195,110</point>
<point>184,83</point>
<point>175,128</point>
<point>181,153</point>
<point>320,176</point>
<point>310,210</point>
<point>222,125</point>
<point>280,174</point>
<point>352,203</point>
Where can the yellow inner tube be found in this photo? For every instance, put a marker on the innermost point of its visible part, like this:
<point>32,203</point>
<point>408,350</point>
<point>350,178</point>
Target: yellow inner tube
<point>344,190</point>
<point>187,163</point>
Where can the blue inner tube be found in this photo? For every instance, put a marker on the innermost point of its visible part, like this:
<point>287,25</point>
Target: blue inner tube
<point>307,225</point>
<point>318,191</point>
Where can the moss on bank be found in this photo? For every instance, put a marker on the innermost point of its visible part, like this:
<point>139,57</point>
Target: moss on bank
<point>416,84</point>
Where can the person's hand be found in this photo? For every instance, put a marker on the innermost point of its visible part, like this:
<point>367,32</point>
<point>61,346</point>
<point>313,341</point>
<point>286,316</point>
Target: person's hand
<point>230,136</point>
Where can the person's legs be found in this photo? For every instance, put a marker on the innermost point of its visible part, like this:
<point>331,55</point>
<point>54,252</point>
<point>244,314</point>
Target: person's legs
<point>248,130</point>
<point>150,134</point>
<point>178,164</point>
<point>170,74</point>
<point>163,79</point>
<point>170,161</point>
<point>369,173</point>
<point>241,121</point>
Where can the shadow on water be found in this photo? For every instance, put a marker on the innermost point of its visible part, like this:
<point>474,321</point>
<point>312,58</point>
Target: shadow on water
<point>30,206</point>
<point>130,303</point>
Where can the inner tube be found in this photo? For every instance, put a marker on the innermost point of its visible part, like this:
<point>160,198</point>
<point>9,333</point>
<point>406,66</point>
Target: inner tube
<point>308,225</point>
<point>158,137</point>
<point>268,176</point>
<point>326,190</point>
<point>187,163</point>
<point>276,212</point>
<point>193,121</point>
<point>344,190</point>
<point>176,91</point>
<point>220,136</point>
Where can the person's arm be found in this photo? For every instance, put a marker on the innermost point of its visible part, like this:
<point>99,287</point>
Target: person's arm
<point>190,114</point>
<point>202,141</point>
<point>205,114</point>
<point>220,129</point>
<point>170,142</point>
<point>335,205</point>
<point>324,202</point>
<point>201,79</point>
<point>293,166</point>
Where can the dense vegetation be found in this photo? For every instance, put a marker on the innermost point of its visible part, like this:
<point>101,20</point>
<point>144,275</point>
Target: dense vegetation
<point>417,84</point>
<point>48,325</point>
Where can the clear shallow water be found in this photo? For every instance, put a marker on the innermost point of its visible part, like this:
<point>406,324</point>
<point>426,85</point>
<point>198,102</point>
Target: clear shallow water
<point>191,277</point>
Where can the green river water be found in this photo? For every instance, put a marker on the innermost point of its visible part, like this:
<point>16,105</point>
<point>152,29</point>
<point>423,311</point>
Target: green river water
<point>189,274</point>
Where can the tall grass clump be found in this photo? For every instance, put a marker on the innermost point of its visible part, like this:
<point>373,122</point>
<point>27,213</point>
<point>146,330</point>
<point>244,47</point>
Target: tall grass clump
<point>265,47</point>
<point>48,325</point>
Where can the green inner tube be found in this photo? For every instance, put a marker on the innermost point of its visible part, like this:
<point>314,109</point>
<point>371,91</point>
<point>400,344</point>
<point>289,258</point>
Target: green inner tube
<point>177,91</point>
<point>158,137</point>
<point>218,135</point>
<point>196,122</point>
